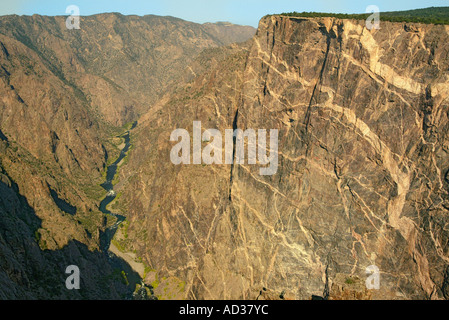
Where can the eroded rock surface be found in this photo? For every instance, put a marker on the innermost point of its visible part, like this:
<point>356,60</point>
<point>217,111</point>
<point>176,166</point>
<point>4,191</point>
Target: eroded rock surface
<point>363,159</point>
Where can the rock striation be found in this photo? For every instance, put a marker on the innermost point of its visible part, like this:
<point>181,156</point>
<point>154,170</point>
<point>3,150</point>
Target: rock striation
<point>363,164</point>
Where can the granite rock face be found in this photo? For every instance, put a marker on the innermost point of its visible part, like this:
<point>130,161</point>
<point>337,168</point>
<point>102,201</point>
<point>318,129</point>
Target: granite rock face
<point>363,166</point>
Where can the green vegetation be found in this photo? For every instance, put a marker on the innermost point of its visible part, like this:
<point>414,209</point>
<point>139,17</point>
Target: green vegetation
<point>37,236</point>
<point>432,15</point>
<point>124,227</point>
<point>123,244</point>
<point>91,220</point>
<point>118,245</point>
<point>170,288</point>
<point>116,275</point>
<point>127,126</point>
<point>349,281</point>
<point>122,163</point>
<point>156,282</point>
<point>146,270</point>
<point>93,191</point>
<point>114,205</point>
<point>27,165</point>
<point>125,278</point>
<point>42,234</point>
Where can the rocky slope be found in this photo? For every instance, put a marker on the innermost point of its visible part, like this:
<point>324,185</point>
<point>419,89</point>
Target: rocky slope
<point>28,272</point>
<point>119,64</point>
<point>363,167</point>
<point>65,95</point>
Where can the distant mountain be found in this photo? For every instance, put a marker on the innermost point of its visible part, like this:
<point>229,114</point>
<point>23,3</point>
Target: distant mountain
<point>228,32</point>
<point>118,64</point>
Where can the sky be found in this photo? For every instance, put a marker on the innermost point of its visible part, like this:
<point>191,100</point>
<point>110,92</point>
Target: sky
<point>247,12</point>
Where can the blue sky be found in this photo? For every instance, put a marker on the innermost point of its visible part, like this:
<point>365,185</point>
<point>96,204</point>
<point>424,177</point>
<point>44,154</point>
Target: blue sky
<point>236,11</point>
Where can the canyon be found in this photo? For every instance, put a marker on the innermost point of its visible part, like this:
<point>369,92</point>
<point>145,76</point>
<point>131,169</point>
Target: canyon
<point>362,178</point>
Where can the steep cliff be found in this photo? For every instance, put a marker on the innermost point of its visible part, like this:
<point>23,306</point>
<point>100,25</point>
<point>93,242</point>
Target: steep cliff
<point>363,167</point>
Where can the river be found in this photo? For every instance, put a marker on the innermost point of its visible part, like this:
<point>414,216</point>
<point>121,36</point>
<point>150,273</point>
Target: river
<point>105,239</point>
<point>106,236</point>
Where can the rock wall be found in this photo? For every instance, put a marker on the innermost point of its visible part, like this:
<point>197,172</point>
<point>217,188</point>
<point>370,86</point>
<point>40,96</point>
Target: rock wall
<point>363,163</point>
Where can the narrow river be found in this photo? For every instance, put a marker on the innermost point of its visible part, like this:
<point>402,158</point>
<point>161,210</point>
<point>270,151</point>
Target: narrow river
<point>106,237</point>
<point>132,277</point>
